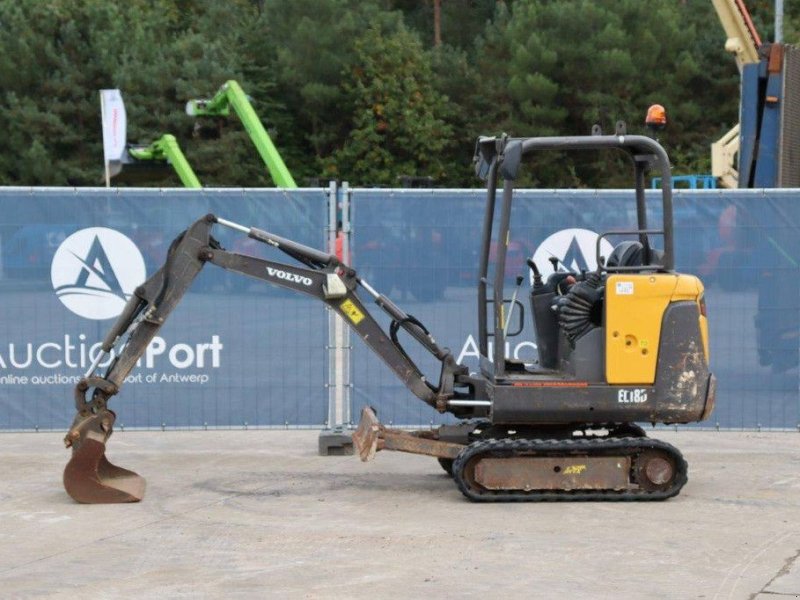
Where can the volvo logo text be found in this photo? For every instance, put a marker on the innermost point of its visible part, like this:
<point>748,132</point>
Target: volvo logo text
<point>293,277</point>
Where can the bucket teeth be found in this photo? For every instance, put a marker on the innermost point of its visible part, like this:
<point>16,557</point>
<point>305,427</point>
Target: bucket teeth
<point>89,477</point>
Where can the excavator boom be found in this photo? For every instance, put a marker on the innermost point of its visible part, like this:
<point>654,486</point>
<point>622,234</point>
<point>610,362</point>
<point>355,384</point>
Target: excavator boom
<point>90,478</point>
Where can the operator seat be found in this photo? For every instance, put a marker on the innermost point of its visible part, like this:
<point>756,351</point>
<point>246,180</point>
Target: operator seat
<point>631,254</point>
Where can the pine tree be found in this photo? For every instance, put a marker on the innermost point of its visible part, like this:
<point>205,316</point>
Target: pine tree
<point>560,67</point>
<point>313,44</point>
<point>396,129</point>
<point>56,55</point>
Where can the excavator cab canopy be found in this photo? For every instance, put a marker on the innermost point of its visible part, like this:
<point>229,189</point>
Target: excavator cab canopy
<point>500,158</point>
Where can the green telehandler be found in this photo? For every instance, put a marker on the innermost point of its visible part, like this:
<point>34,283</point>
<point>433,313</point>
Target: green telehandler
<point>231,95</point>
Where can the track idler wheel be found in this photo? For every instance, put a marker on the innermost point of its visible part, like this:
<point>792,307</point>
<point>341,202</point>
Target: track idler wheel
<point>655,471</point>
<point>89,477</point>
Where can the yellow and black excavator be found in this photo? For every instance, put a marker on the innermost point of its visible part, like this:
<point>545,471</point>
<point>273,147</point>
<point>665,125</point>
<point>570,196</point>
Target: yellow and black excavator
<point>625,343</point>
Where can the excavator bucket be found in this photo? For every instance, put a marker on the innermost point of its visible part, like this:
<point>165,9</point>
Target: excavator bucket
<point>89,477</point>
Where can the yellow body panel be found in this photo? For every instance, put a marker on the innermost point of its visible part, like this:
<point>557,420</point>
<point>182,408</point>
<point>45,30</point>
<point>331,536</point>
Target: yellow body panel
<point>704,335</point>
<point>634,308</point>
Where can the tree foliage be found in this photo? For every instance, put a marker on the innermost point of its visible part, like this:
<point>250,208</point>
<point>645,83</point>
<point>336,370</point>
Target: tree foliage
<point>355,90</point>
<point>397,127</point>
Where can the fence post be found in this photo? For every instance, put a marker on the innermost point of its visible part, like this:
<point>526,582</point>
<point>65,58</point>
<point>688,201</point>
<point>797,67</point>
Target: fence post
<point>346,345</point>
<point>335,438</point>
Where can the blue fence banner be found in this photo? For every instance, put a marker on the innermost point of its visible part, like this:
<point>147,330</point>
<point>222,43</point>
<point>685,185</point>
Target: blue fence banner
<point>236,351</point>
<point>421,247</point>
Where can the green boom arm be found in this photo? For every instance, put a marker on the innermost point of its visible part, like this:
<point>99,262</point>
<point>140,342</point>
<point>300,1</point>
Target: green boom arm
<point>232,95</point>
<point>166,148</point>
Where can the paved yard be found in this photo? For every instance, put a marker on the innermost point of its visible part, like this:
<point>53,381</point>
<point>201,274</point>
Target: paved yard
<point>252,514</point>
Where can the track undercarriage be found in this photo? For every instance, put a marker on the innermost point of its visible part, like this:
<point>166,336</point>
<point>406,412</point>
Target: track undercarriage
<point>491,463</point>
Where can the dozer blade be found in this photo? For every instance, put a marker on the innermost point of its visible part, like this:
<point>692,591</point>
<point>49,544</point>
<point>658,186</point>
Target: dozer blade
<point>371,437</point>
<point>366,436</point>
<point>89,477</point>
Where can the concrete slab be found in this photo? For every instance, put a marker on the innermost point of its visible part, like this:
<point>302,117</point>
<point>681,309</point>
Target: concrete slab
<point>788,579</point>
<point>258,513</point>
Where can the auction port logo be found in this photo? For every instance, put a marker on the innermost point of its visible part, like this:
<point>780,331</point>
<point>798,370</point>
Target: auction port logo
<point>576,250</point>
<point>95,271</point>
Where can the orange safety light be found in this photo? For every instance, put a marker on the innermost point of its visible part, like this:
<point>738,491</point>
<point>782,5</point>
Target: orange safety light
<point>656,117</point>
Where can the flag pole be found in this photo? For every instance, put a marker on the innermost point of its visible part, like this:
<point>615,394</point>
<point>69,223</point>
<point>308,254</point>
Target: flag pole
<point>102,128</point>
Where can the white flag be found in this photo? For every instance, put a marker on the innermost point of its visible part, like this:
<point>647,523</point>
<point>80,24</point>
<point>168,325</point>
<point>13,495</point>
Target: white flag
<point>115,127</point>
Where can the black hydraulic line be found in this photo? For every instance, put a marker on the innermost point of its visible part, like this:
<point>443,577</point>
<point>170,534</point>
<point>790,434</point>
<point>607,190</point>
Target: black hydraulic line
<point>395,327</point>
<point>414,327</point>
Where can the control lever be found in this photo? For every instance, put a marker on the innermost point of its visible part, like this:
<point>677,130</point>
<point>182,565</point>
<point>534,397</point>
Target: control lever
<point>520,279</point>
<point>537,276</point>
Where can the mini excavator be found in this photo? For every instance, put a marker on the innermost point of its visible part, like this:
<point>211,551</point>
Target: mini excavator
<point>625,343</point>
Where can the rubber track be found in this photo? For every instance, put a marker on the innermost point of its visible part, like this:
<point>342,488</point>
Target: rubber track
<point>508,447</point>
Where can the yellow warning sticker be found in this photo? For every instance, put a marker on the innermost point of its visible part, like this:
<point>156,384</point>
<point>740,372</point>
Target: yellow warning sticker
<point>574,469</point>
<point>352,311</point>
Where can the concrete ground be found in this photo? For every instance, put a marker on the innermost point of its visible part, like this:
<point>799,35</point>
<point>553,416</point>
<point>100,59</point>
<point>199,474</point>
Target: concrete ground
<point>258,514</point>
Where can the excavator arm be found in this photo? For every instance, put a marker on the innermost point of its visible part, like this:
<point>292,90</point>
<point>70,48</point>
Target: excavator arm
<point>89,477</point>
